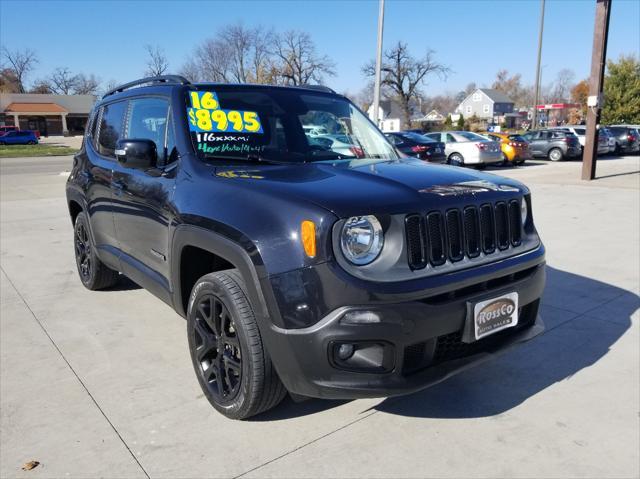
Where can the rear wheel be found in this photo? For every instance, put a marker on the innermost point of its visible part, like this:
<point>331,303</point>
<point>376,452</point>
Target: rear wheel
<point>231,362</point>
<point>555,154</point>
<point>456,159</point>
<point>93,273</point>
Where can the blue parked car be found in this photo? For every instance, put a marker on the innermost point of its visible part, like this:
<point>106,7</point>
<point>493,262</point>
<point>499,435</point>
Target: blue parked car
<point>24,137</point>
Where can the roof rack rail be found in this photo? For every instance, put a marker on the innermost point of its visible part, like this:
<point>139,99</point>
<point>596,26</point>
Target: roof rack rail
<point>180,80</point>
<point>318,87</point>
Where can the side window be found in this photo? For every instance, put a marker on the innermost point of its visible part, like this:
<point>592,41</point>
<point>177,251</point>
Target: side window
<point>110,129</point>
<point>147,119</point>
<point>450,138</point>
<point>485,108</point>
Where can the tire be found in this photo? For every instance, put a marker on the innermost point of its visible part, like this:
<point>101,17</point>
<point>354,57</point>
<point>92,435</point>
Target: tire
<point>32,142</point>
<point>94,274</point>
<point>481,166</point>
<point>229,340</point>
<point>456,159</point>
<point>555,154</point>
<point>505,160</point>
<point>617,150</point>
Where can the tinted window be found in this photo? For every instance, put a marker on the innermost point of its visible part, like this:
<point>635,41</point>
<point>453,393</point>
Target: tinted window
<point>434,136</point>
<point>516,138</point>
<point>579,131</point>
<point>470,136</point>
<point>110,130</point>
<point>147,120</point>
<point>416,137</point>
<point>450,138</point>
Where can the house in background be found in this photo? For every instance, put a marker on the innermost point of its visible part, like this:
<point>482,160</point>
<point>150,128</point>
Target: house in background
<point>431,119</point>
<point>389,116</point>
<point>49,114</point>
<point>487,104</point>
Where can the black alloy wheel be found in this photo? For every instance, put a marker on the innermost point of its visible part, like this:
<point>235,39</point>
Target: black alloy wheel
<point>217,349</point>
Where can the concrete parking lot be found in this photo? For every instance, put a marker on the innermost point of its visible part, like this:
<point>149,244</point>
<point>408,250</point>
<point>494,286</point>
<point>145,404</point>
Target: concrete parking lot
<point>100,384</point>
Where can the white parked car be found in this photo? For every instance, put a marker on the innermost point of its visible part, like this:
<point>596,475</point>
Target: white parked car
<point>579,130</point>
<point>467,148</point>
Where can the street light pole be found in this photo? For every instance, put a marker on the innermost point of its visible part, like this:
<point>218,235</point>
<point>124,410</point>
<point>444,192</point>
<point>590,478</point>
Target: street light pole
<point>376,87</point>
<point>534,122</point>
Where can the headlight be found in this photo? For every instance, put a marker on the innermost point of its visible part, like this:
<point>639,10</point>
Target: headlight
<point>361,239</point>
<point>524,211</point>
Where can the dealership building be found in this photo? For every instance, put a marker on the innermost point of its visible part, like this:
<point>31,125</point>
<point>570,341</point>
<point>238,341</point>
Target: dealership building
<point>49,114</point>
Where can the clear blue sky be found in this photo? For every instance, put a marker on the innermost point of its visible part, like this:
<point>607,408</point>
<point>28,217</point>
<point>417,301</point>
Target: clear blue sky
<point>475,38</point>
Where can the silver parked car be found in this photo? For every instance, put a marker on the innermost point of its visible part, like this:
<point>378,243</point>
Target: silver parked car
<point>466,148</point>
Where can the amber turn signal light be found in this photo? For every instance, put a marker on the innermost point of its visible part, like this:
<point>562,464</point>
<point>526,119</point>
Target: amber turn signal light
<point>308,230</point>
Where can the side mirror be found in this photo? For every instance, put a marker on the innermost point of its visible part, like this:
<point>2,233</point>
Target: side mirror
<point>139,154</point>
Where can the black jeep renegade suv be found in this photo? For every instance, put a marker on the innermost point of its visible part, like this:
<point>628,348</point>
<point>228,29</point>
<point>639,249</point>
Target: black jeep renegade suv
<point>306,253</point>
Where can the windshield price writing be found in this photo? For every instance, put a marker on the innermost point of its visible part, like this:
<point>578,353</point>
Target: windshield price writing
<point>205,115</point>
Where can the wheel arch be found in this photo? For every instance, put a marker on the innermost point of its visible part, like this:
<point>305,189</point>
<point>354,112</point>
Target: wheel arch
<point>197,250</point>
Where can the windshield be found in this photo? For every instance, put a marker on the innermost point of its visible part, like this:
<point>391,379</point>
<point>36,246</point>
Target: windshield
<point>280,125</point>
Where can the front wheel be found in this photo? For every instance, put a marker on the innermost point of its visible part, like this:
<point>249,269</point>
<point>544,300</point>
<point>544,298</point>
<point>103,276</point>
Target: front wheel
<point>555,154</point>
<point>456,159</point>
<point>230,360</point>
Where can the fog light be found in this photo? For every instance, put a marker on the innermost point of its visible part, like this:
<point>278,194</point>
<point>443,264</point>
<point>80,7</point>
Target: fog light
<point>345,351</point>
<point>361,317</point>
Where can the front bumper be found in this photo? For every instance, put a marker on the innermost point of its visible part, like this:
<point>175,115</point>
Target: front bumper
<point>420,340</point>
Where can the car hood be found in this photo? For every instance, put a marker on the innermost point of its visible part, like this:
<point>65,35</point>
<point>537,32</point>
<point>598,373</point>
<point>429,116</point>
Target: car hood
<point>372,186</point>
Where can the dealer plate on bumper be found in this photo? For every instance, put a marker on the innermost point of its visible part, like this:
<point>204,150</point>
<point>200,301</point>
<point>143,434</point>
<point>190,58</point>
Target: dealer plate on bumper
<point>490,316</point>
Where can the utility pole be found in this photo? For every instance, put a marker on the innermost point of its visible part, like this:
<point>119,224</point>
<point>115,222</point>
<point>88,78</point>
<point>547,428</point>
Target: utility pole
<point>594,102</point>
<point>376,87</point>
<point>534,120</point>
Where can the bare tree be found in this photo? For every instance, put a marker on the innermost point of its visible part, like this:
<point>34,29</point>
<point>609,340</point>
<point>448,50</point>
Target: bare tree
<point>298,62</point>
<point>511,85</point>
<point>264,68</point>
<point>86,85</point>
<point>8,81</point>
<point>21,63</point>
<point>238,54</point>
<point>42,87</point>
<point>403,75</point>
<point>214,57</point>
<point>562,86</point>
<point>62,81</point>
<point>157,63</point>
<point>191,70</point>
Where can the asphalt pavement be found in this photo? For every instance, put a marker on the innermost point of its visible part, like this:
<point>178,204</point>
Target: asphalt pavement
<point>100,384</point>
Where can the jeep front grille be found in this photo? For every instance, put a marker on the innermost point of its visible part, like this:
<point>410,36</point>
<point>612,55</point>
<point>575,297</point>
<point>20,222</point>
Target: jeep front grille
<point>438,237</point>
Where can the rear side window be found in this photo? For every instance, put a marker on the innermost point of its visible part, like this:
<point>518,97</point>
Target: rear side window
<point>579,131</point>
<point>110,129</point>
<point>147,119</point>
